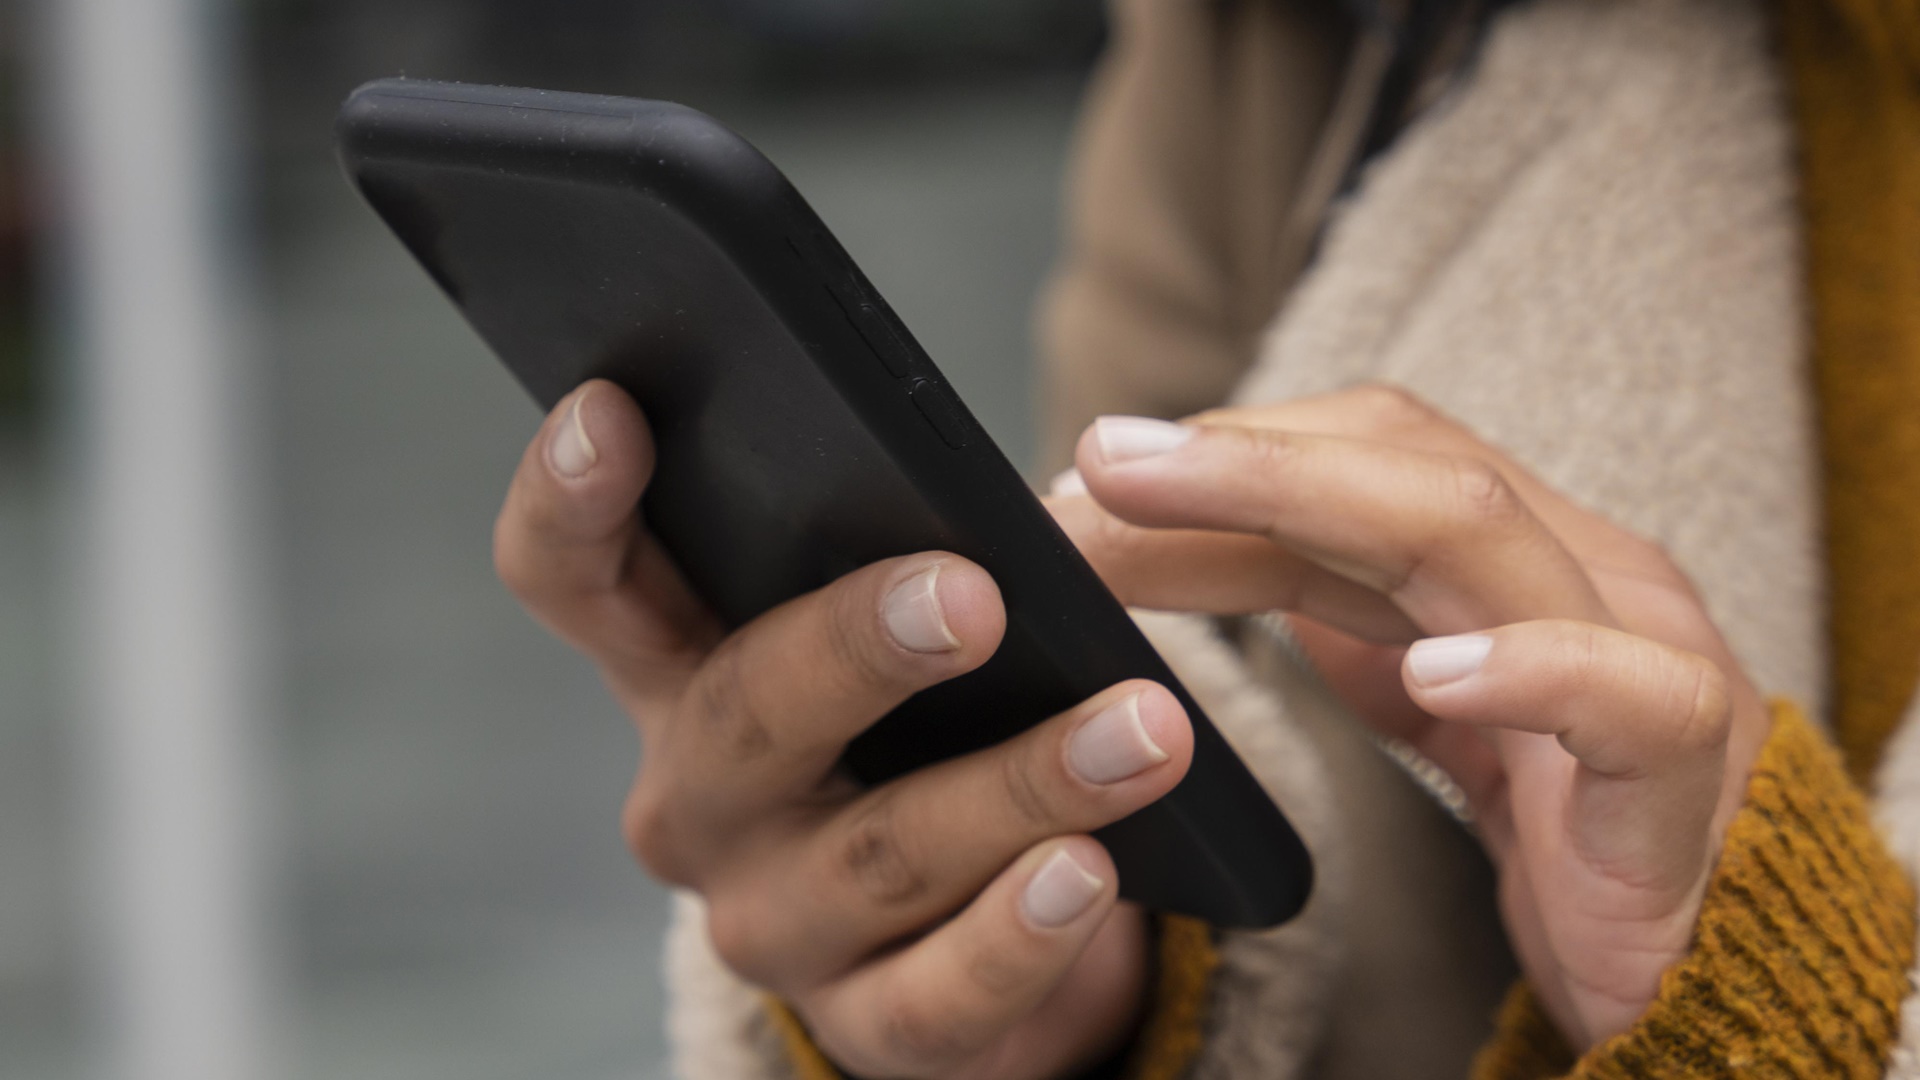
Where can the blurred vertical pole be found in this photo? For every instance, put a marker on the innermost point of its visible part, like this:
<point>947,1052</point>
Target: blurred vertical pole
<point>137,100</point>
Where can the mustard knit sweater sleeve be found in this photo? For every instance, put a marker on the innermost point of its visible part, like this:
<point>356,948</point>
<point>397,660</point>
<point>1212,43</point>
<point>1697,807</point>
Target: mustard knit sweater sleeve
<point>1856,98</point>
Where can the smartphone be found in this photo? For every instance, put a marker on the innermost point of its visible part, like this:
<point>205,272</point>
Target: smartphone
<point>802,433</point>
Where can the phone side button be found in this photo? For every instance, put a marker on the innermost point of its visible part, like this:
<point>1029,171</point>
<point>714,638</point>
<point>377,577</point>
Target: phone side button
<point>880,341</point>
<point>941,410</point>
<point>881,337</point>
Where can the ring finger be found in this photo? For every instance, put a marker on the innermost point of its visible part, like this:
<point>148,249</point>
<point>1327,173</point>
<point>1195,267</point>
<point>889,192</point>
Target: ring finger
<point>955,1002</point>
<point>918,849</point>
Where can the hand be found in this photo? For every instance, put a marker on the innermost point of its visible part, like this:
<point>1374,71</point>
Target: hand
<point>954,923</point>
<point>1577,690</point>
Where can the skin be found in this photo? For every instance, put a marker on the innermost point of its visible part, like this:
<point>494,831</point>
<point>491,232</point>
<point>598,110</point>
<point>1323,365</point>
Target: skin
<point>1604,742</point>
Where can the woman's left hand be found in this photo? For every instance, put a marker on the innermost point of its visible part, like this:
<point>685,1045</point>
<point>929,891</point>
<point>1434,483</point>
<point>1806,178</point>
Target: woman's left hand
<point>1562,670</point>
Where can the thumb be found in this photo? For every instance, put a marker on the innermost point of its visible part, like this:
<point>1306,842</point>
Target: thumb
<point>1645,724</point>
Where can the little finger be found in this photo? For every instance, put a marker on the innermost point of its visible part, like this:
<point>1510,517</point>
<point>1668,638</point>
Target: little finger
<point>945,1005</point>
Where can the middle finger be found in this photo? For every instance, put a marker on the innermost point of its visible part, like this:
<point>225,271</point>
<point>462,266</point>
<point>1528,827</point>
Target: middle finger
<point>760,725</point>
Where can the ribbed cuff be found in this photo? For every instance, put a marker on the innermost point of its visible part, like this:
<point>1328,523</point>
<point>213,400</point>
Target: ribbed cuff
<point>1800,958</point>
<point>1175,1026</point>
<point>1170,1036</point>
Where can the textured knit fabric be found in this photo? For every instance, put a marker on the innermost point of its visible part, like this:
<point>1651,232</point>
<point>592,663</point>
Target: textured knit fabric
<point>1856,67</point>
<point>1177,1013</point>
<point>719,1027</point>
<point>1527,1044</point>
<point>1801,954</point>
<point>1896,808</point>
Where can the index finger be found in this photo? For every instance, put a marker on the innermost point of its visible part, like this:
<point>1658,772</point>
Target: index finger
<point>1445,538</point>
<point>1221,574</point>
<point>1382,413</point>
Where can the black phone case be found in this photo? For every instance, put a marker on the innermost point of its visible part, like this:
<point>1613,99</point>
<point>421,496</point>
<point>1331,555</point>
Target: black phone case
<point>801,431</point>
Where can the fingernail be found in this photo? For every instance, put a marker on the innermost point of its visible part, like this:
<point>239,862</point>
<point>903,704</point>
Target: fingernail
<point>1132,438</point>
<point>1439,661</point>
<point>570,452</point>
<point>1060,892</point>
<point>1113,746</point>
<point>913,616</point>
<point>1068,484</point>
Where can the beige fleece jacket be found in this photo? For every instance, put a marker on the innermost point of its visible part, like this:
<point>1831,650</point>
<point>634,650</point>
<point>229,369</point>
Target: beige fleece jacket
<point>1589,254</point>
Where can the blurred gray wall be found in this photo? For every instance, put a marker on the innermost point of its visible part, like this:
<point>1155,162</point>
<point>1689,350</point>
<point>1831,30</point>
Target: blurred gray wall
<point>458,900</point>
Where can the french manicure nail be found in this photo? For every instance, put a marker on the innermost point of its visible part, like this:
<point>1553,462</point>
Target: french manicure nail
<point>1068,484</point>
<point>1060,892</point>
<point>1133,438</point>
<point>1443,660</point>
<point>912,614</point>
<point>570,452</point>
<point>1113,746</point>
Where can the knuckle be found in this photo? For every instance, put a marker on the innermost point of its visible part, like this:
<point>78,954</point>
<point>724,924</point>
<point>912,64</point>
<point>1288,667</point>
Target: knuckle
<point>1653,555</point>
<point>849,1043</point>
<point>1024,778</point>
<point>726,707</point>
<point>1483,499</point>
<point>1271,452</point>
<point>738,937</point>
<point>1115,545</point>
<point>873,857</point>
<point>510,562</point>
<point>1391,408</point>
<point>649,827</point>
<point>998,971</point>
<point>1475,503</point>
<point>852,640</point>
<point>1705,706</point>
<point>1574,658</point>
<point>1586,652</point>
<point>917,1034</point>
<point>1652,561</point>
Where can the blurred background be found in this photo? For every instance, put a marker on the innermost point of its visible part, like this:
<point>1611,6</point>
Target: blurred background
<point>288,785</point>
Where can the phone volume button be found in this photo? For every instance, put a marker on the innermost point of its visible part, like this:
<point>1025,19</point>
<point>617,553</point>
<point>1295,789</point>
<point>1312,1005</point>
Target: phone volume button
<point>872,327</point>
<point>941,410</point>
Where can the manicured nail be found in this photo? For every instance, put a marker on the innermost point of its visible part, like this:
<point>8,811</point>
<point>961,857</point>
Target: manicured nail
<point>570,452</point>
<point>913,616</point>
<point>1442,660</point>
<point>1068,484</point>
<point>1060,892</point>
<point>1132,438</point>
<point>1113,746</point>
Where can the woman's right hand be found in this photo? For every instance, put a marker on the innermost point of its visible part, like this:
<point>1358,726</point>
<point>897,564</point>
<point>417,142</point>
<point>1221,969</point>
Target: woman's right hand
<point>954,923</point>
